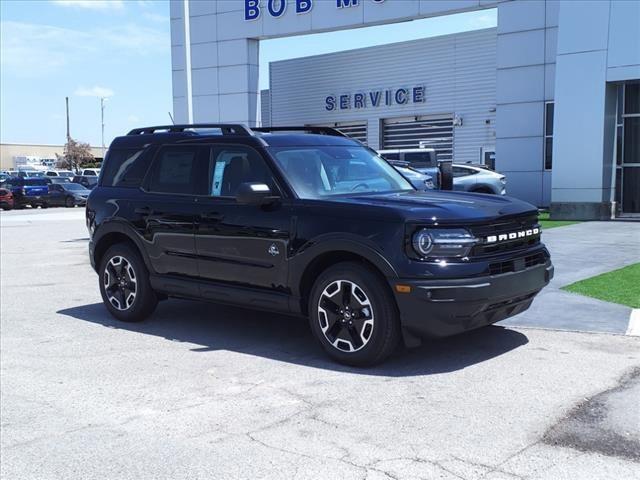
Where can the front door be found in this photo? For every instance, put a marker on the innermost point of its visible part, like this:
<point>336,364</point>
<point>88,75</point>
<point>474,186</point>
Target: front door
<point>241,244</point>
<point>165,214</point>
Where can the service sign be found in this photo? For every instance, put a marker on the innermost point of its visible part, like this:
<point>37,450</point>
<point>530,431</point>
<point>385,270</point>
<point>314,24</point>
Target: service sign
<point>276,8</point>
<point>375,98</point>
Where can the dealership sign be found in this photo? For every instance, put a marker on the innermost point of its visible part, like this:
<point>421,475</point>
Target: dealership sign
<point>276,8</point>
<point>375,98</point>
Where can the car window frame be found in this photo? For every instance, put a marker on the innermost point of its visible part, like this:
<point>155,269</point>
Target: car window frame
<point>265,158</point>
<point>146,181</point>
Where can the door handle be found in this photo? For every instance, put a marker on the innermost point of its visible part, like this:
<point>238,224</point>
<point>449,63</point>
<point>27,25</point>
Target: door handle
<point>143,211</point>
<point>215,216</point>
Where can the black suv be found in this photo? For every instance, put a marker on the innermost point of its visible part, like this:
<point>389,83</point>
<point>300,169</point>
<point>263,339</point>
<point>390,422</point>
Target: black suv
<point>306,221</point>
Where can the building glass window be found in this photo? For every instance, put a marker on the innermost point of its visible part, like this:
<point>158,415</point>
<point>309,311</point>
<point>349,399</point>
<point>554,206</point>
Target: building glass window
<point>548,135</point>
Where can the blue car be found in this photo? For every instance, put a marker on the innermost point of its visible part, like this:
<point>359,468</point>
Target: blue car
<point>28,191</point>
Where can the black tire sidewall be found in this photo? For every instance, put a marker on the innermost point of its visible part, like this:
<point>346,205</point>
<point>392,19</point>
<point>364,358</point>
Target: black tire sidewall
<point>145,301</point>
<point>69,203</point>
<point>385,335</point>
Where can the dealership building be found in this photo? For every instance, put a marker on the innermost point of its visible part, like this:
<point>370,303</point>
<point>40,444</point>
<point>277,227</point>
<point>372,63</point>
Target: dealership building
<point>551,97</point>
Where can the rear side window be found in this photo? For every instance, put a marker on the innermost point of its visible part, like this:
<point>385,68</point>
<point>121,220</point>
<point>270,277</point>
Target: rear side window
<point>180,170</point>
<point>124,168</point>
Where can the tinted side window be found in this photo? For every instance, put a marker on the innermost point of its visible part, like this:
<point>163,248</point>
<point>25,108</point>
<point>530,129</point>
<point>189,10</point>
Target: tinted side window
<point>179,170</point>
<point>125,168</point>
<point>391,156</point>
<point>462,172</point>
<point>234,165</point>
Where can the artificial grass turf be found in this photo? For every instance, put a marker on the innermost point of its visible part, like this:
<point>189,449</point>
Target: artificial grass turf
<point>618,286</point>
<point>546,223</point>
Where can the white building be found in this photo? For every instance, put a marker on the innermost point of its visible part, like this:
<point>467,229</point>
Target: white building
<point>555,89</point>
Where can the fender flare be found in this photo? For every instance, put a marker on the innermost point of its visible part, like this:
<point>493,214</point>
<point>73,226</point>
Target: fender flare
<point>120,227</point>
<point>342,242</point>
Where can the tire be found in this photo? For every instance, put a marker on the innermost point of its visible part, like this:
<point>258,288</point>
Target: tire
<point>69,202</point>
<point>366,333</point>
<point>122,268</point>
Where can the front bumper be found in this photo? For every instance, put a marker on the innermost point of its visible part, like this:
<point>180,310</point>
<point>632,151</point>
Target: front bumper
<point>441,308</point>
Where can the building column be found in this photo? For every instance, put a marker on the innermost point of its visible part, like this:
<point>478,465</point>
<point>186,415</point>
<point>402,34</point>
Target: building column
<point>583,145</point>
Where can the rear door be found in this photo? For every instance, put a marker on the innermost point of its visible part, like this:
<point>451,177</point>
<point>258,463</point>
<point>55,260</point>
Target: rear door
<point>57,194</point>
<point>165,214</point>
<point>241,244</point>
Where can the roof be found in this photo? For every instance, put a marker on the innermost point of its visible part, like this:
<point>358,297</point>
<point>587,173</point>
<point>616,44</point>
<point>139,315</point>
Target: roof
<point>233,133</point>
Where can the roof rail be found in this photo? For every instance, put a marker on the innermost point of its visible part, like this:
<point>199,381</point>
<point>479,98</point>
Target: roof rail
<point>317,130</point>
<point>226,128</point>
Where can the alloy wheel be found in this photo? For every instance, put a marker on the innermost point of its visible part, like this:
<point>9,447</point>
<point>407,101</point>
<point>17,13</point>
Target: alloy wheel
<point>345,315</point>
<point>120,284</point>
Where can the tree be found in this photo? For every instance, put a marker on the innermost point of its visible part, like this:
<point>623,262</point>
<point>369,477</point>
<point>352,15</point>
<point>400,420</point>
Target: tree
<point>75,155</point>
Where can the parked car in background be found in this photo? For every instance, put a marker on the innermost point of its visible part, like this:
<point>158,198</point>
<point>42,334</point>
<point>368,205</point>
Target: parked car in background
<point>478,179</point>
<point>6,199</point>
<point>91,172</point>
<point>423,160</point>
<point>3,177</point>
<point>67,194</point>
<point>421,181</point>
<point>51,180</point>
<point>87,181</point>
<point>28,191</point>
<point>60,173</point>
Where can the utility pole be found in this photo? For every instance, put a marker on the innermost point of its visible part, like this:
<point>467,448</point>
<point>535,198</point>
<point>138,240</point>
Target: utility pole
<point>102,99</point>
<point>67,102</point>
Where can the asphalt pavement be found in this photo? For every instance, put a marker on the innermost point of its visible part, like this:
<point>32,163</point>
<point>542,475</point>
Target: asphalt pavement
<point>206,391</point>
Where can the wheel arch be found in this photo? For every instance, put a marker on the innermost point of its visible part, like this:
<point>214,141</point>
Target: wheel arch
<point>111,235</point>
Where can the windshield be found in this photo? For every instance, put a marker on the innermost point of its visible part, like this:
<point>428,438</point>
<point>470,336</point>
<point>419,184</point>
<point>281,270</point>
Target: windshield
<point>323,171</point>
<point>73,186</point>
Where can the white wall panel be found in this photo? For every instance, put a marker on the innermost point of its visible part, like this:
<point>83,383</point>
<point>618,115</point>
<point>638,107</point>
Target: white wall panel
<point>524,84</point>
<point>583,26</point>
<point>520,49</point>
<point>520,16</point>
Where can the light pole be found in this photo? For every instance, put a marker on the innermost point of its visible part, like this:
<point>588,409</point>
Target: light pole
<point>102,100</point>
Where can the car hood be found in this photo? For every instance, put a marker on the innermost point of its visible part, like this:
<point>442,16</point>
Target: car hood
<point>443,207</point>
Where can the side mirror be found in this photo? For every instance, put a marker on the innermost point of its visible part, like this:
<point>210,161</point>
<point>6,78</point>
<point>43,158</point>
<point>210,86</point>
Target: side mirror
<point>255,194</point>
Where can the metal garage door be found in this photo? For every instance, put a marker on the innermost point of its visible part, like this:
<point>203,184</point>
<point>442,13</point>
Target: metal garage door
<point>413,132</point>
<point>355,130</point>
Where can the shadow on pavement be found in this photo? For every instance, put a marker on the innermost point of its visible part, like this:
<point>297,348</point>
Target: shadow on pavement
<point>288,339</point>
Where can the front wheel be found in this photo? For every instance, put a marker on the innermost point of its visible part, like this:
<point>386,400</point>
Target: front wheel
<point>69,202</point>
<point>124,284</point>
<point>354,315</point>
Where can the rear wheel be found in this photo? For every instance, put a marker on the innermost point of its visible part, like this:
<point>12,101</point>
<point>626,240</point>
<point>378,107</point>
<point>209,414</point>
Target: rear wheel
<point>124,284</point>
<point>353,315</point>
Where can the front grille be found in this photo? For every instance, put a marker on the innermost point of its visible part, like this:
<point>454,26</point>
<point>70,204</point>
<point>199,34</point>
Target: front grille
<point>518,224</point>
<point>498,268</point>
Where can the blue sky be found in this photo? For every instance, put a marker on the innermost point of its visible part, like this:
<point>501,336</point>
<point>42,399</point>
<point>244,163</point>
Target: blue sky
<point>119,49</point>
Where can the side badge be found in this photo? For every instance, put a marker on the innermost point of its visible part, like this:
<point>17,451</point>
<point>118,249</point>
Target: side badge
<point>273,250</point>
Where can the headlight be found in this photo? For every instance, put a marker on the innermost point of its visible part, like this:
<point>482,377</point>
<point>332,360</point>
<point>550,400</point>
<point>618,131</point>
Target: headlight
<point>503,180</point>
<point>443,243</point>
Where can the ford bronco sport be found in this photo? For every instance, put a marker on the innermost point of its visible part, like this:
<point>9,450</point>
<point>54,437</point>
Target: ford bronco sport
<point>310,222</point>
